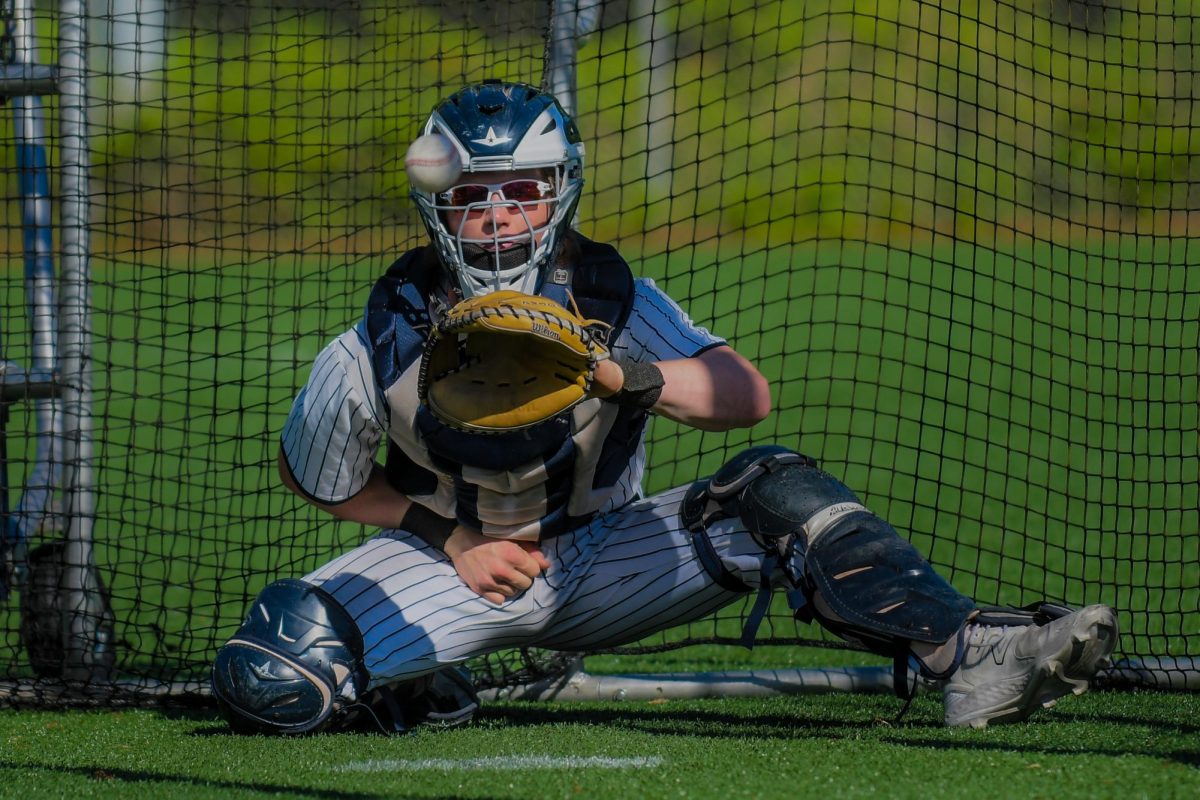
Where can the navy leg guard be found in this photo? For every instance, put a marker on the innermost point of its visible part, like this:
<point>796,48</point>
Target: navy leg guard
<point>879,586</point>
<point>295,661</point>
<point>873,585</point>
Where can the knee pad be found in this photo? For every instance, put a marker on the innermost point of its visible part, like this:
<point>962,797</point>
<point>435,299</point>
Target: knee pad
<point>754,486</point>
<point>880,590</point>
<point>779,495</point>
<point>773,491</point>
<point>295,661</point>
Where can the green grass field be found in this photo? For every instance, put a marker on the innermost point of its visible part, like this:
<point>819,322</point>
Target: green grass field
<point>1103,745</point>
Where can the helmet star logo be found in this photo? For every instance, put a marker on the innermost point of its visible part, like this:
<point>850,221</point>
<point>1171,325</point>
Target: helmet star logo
<point>491,140</point>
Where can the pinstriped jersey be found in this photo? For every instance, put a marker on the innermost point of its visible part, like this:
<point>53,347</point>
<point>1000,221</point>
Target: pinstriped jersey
<point>528,484</point>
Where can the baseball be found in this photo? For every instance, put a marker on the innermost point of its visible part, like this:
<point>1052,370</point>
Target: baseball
<point>432,163</point>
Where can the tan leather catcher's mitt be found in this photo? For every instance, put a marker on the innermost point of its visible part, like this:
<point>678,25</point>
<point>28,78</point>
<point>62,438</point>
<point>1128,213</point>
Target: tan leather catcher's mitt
<point>507,360</point>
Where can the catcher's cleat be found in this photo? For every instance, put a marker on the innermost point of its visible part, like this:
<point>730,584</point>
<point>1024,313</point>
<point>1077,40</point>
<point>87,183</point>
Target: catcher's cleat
<point>442,699</point>
<point>1007,673</point>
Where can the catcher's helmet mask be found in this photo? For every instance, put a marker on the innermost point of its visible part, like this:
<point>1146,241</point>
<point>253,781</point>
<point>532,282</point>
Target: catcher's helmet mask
<point>504,127</point>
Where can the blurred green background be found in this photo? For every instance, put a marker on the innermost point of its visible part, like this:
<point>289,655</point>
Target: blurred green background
<point>961,239</point>
<point>772,121</point>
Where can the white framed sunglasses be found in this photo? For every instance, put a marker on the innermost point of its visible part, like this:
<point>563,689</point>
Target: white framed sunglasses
<point>520,190</point>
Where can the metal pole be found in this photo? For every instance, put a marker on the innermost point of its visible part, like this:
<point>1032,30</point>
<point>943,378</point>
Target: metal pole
<point>571,21</point>
<point>576,684</point>
<point>87,650</point>
<point>656,44</point>
<point>560,71</point>
<point>34,171</point>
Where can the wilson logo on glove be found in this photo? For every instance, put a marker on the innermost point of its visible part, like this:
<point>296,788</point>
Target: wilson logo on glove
<point>544,330</point>
<point>507,360</point>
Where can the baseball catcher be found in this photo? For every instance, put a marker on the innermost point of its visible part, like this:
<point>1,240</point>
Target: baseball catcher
<point>508,370</point>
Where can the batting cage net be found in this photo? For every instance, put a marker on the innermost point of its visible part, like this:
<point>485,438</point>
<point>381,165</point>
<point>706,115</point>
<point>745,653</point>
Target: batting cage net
<point>961,239</point>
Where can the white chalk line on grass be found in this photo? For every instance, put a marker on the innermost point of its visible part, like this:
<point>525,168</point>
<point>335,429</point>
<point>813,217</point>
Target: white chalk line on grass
<point>500,763</point>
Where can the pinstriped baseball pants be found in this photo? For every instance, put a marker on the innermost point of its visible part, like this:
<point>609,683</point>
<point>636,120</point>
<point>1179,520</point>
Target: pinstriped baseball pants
<point>628,574</point>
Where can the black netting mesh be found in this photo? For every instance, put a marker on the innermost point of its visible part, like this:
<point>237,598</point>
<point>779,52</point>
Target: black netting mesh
<point>960,239</point>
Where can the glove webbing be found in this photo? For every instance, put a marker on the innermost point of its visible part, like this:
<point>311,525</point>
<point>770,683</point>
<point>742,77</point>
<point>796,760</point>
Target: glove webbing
<point>452,326</point>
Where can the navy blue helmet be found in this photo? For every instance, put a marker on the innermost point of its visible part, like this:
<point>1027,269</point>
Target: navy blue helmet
<point>504,127</point>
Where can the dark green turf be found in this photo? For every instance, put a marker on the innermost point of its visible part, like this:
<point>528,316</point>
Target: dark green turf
<point>1097,746</point>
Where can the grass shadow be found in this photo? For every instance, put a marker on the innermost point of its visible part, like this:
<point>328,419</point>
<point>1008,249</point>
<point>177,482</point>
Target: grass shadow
<point>106,774</point>
<point>1185,757</point>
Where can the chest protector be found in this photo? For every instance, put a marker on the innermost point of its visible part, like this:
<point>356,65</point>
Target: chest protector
<point>526,484</point>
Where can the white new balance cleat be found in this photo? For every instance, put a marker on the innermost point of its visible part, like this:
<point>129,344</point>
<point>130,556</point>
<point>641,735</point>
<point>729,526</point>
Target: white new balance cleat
<point>1007,673</point>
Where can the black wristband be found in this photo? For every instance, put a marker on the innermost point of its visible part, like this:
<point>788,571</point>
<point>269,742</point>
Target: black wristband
<point>643,385</point>
<point>431,528</point>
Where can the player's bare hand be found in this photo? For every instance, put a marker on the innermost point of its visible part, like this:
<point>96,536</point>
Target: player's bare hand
<point>607,380</point>
<point>495,569</point>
